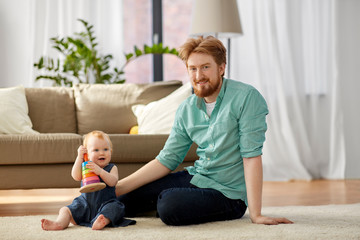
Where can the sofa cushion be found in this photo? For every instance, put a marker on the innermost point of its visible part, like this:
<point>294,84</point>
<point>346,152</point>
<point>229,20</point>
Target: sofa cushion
<point>142,148</point>
<point>61,148</point>
<point>39,149</point>
<point>14,118</point>
<point>52,109</point>
<point>108,107</point>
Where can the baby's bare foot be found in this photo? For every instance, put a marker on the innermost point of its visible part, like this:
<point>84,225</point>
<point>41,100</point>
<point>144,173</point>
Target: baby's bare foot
<point>50,225</point>
<point>100,222</point>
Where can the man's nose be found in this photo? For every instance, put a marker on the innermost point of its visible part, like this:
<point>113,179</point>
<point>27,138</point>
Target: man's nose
<point>199,74</point>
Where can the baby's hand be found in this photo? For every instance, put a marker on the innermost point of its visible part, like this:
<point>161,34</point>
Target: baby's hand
<point>81,151</point>
<point>94,167</point>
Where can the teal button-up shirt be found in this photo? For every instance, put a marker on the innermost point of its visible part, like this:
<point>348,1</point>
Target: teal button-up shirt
<point>235,129</point>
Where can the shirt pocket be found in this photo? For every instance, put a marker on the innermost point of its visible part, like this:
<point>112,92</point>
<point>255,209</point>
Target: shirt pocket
<point>226,133</point>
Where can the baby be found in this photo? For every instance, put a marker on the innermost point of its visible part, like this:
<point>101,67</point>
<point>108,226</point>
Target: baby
<point>96,209</point>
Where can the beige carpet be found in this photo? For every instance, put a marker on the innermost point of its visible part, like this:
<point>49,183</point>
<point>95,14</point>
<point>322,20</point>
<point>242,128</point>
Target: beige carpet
<point>311,222</point>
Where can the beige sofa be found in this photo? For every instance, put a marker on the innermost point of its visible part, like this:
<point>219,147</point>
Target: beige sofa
<point>62,115</point>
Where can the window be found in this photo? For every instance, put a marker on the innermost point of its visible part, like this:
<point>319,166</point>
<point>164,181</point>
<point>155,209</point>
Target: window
<point>138,30</point>
<point>176,28</point>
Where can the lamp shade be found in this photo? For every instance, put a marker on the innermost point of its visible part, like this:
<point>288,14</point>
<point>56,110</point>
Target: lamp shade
<point>218,17</point>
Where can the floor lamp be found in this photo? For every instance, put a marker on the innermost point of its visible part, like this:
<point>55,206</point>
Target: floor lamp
<point>219,18</point>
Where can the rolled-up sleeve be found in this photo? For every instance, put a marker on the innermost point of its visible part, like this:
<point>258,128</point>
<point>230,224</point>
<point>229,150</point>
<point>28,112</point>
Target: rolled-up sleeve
<point>252,124</point>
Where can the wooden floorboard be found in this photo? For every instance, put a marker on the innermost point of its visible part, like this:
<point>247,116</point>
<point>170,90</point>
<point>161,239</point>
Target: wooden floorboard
<point>293,193</point>
<point>310,193</point>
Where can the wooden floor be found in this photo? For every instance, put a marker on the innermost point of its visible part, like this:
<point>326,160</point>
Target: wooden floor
<point>308,193</point>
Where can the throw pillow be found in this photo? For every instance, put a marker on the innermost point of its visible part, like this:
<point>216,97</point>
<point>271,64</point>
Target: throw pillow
<point>14,118</point>
<point>157,117</point>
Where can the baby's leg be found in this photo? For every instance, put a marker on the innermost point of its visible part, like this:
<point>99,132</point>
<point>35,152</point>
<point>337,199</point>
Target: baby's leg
<point>60,223</point>
<point>100,222</point>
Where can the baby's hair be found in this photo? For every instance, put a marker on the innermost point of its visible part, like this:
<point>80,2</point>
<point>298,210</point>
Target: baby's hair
<point>97,134</point>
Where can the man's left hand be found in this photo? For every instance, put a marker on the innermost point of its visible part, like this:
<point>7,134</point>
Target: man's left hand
<point>270,220</point>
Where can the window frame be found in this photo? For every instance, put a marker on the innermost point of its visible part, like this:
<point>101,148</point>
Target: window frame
<point>158,72</point>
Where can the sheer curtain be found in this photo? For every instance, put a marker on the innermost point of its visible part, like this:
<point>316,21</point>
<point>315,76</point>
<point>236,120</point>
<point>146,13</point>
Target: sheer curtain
<point>288,52</point>
<point>29,25</point>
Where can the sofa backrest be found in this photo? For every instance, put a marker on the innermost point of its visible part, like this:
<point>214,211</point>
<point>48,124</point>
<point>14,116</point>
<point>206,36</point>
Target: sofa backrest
<point>108,107</point>
<point>52,109</point>
<point>87,107</point>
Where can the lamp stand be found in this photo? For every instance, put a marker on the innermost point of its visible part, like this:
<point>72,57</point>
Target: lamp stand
<point>228,57</point>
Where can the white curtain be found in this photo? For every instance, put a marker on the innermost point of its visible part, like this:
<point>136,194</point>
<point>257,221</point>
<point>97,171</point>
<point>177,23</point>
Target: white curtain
<point>28,25</point>
<point>288,52</point>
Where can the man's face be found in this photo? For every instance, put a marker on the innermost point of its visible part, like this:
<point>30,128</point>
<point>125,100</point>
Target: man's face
<point>205,75</point>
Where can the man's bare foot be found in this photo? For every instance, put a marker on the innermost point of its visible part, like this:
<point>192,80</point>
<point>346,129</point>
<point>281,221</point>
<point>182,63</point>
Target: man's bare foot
<point>100,222</point>
<point>50,225</point>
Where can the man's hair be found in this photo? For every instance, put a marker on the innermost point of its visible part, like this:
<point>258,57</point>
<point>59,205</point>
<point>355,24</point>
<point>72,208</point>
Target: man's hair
<point>97,134</point>
<point>209,45</point>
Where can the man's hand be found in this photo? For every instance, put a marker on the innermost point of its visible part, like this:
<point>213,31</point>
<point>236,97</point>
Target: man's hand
<point>270,220</point>
<point>254,180</point>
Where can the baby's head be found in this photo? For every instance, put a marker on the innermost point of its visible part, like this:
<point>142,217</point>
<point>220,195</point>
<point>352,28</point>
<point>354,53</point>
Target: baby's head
<point>99,147</point>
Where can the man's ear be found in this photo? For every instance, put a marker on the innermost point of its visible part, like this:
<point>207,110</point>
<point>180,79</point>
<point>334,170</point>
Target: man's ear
<point>222,68</point>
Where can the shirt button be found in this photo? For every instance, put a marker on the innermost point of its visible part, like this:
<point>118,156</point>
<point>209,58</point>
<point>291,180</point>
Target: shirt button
<point>208,159</point>
<point>211,145</point>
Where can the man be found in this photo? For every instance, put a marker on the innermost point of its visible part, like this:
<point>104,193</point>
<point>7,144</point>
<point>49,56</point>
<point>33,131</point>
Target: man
<point>226,119</point>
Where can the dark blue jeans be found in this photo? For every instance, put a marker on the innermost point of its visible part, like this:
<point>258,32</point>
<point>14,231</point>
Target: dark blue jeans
<point>178,202</point>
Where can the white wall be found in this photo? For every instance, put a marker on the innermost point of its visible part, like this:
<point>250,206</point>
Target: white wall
<point>349,75</point>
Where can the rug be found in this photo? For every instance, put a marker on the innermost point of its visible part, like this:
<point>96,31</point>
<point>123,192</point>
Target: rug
<point>311,222</point>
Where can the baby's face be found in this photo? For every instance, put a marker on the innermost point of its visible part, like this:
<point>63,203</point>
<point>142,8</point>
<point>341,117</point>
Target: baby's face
<point>99,151</point>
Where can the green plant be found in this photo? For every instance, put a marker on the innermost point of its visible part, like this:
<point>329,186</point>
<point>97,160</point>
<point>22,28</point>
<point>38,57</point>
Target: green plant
<point>154,49</point>
<point>83,62</point>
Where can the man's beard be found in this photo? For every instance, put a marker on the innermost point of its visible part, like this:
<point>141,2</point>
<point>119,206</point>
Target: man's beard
<point>208,89</point>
